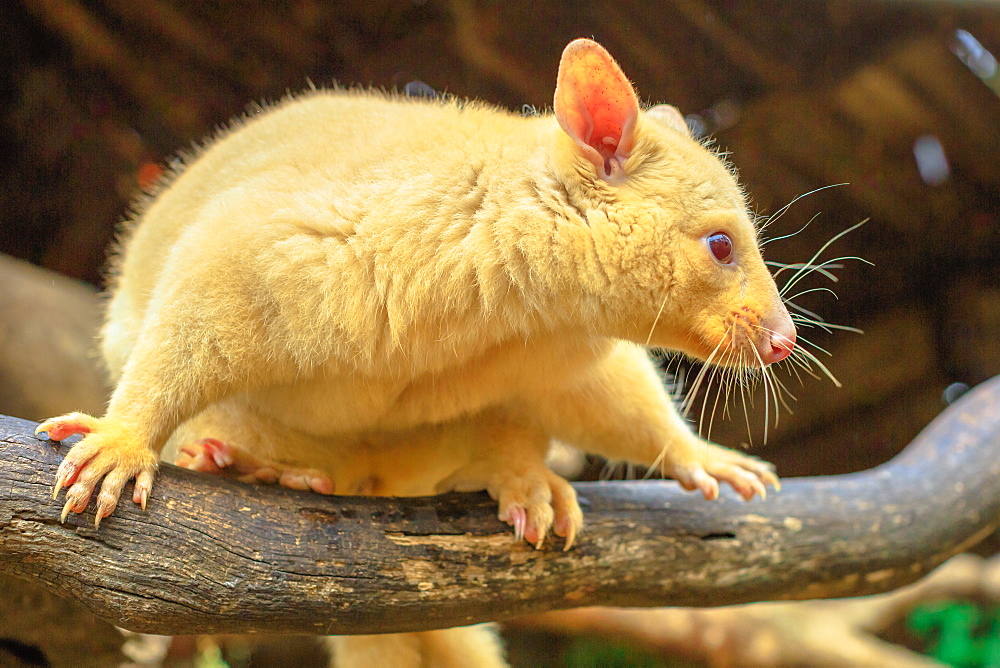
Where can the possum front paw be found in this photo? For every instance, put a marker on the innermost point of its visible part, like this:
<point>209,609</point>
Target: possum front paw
<point>211,455</point>
<point>705,464</point>
<point>532,500</point>
<point>109,450</point>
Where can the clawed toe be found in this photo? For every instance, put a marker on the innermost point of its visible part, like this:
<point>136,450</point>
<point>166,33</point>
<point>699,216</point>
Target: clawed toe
<point>210,455</point>
<point>517,517</point>
<point>65,476</point>
<point>295,478</point>
<point>748,476</point>
<point>60,428</point>
<point>534,504</point>
<point>74,504</point>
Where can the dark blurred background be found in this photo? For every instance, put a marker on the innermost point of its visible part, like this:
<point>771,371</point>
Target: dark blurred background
<point>898,100</point>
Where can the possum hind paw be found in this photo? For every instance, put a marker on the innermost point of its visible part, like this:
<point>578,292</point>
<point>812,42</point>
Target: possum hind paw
<point>210,455</point>
<point>109,453</point>
<point>532,500</point>
<point>536,502</point>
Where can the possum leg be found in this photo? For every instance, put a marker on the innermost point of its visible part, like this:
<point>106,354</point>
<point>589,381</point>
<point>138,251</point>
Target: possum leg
<point>621,410</point>
<point>511,468</point>
<point>531,498</point>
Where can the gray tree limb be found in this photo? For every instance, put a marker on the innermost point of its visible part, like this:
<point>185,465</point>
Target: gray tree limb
<point>212,555</point>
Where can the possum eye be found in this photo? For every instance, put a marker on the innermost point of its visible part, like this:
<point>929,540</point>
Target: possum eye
<point>722,247</point>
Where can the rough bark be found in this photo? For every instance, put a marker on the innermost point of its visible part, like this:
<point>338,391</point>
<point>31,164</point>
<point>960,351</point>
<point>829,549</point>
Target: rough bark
<point>212,555</point>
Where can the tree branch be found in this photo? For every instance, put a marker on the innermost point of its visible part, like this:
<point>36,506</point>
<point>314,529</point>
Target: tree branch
<point>212,555</point>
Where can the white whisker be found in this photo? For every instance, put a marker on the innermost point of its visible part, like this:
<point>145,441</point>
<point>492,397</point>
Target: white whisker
<point>807,269</point>
<point>692,393</point>
<point>746,412</point>
<point>821,288</point>
<point>822,269</point>
<point>656,320</point>
<point>815,360</point>
<point>704,405</point>
<point>782,389</point>
<point>821,349</point>
<point>780,212</point>
<point>819,322</point>
<point>795,233</point>
<point>815,317</point>
<point>765,380</point>
<point>812,260</point>
<point>803,363</point>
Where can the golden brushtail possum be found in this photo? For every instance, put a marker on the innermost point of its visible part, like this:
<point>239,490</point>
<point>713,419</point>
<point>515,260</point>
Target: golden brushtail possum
<point>361,293</point>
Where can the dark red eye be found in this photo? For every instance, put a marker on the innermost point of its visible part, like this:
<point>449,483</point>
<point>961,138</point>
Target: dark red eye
<point>721,247</point>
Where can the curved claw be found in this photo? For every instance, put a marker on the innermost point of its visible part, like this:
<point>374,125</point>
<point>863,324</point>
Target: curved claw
<point>143,496</point>
<point>100,514</point>
<point>517,517</point>
<point>708,485</point>
<point>538,543</point>
<point>65,511</point>
<point>143,487</point>
<point>65,476</point>
<point>565,528</point>
<point>539,521</point>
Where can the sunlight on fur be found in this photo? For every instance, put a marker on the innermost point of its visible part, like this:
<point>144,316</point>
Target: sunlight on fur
<point>355,292</point>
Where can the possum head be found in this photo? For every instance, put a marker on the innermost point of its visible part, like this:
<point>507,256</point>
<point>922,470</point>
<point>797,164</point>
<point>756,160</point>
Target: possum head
<point>666,223</point>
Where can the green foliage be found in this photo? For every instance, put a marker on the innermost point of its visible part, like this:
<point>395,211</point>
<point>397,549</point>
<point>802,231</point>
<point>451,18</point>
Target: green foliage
<point>959,633</point>
<point>593,653</point>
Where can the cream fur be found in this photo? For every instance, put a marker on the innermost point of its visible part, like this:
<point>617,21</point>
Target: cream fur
<point>465,647</point>
<point>411,296</point>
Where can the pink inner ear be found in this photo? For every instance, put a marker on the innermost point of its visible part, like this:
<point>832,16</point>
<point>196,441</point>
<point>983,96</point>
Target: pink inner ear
<point>596,105</point>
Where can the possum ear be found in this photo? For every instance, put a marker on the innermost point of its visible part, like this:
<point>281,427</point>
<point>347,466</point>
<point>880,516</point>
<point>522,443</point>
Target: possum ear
<point>596,106</point>
<point>669,116</point>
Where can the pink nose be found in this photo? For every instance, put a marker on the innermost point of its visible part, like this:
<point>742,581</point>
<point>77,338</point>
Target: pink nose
<point>779,347</point>
<point>780,342</point>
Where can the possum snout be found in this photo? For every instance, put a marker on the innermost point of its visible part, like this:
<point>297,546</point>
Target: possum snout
<point>778,337</point>
<point>760,338</point>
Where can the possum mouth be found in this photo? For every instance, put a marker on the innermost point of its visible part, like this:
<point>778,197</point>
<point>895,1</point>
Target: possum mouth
<point>745,337</point>
<point>742,339</point>
<point>732,340</point>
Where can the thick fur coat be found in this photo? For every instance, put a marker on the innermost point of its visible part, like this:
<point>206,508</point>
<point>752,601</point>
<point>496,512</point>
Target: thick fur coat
<point>365,294</point>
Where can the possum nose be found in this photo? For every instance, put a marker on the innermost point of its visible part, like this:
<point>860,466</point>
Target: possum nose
<point>781,341</point>
<point>781,347</point>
